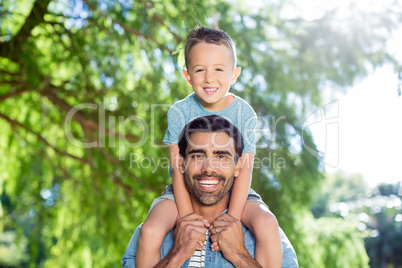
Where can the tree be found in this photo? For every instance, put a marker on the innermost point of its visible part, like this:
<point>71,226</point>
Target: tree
<point>384,244</point>
<point>84,91</point>
<point>339,187</point>
<point>374,213</point>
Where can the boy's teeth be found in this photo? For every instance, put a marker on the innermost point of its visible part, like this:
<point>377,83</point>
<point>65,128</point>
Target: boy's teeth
<point>211,89</point>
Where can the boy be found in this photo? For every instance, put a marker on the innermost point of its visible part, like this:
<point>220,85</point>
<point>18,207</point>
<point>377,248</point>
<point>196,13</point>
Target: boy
<point>210,58</point>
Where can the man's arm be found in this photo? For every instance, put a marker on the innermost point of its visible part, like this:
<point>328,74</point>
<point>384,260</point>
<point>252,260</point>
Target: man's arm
<point>230,237</point>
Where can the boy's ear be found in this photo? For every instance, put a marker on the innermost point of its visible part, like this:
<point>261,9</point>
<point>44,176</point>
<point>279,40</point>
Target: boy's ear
<point>187,76</point>
<point>236,73</point>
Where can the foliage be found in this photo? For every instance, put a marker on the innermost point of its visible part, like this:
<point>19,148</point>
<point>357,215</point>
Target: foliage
<point>377,212</point>
<point>339,187</point>
<point>331,242</point>
<point>84,90</point>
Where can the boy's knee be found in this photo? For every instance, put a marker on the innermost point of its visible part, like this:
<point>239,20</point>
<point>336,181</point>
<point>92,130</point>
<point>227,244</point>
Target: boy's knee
<point>149,229</point>
<point>265,219</point>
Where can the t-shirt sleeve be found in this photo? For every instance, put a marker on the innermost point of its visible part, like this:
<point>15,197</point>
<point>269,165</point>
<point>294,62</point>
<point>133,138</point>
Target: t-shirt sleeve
<point>249,137</point>
<point>176,123</point>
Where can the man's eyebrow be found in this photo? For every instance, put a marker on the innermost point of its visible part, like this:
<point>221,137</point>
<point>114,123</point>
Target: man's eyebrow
<point>223,152</point>
<point>196,151</point>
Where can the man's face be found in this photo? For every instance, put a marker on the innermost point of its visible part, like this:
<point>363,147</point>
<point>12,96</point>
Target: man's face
<point>209,167</point>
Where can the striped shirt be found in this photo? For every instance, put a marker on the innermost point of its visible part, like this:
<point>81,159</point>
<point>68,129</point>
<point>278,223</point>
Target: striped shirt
<point>198,259</point>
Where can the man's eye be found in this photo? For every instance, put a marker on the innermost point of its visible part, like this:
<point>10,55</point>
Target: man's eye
<point>197,156</point>
<point>222,156</point>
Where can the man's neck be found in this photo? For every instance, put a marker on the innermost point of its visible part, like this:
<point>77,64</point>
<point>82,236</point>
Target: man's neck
<point>210,213</point>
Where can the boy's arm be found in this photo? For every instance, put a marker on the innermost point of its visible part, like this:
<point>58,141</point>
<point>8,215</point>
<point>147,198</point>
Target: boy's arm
<point>241,186</point>
<point>181,194</point>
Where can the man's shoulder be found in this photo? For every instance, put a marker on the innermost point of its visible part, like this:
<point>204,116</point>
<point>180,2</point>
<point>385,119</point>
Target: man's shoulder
<point>289,259</point>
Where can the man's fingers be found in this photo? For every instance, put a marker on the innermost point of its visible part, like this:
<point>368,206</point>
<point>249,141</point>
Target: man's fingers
<point>214,238</point>
<point>226,217</point>
<point>215,246</point>
<point>224,221</point>
<point>206,223</point>
<point>219,225</point>
<point>192,216</point>
<point>195,217</point>
<point>217,228</point>
<point>200,245</point>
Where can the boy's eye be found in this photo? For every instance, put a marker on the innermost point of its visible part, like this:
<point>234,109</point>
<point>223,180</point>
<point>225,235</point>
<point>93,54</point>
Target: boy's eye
<point>219,70</point>
<point>198,70</point>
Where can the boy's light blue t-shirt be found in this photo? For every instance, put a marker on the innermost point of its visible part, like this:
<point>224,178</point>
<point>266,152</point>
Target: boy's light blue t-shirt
<point>239,113</point>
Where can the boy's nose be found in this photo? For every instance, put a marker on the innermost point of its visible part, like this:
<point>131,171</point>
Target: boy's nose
<point>209,77</point>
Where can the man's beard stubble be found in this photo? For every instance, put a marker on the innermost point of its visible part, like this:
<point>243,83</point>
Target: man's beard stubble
<point>206,198</point>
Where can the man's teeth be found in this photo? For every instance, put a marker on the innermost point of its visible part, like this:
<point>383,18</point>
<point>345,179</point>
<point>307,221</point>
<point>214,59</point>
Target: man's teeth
<point>209,182</point>
<point>211,89</point>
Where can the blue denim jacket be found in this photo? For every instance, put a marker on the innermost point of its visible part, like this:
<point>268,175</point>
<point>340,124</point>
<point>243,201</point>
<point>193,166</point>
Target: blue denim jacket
<point>212,259</point>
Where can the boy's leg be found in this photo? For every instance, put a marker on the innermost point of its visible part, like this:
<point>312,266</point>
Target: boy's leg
<point>161,220</point>
<point>263,224</point>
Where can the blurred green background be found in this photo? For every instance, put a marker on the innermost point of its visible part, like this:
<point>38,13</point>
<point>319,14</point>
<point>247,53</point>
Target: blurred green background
<point>84,91</point>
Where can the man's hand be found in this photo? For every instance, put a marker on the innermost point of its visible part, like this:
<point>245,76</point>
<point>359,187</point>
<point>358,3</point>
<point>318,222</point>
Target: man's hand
<point>228,233</point>
<point>189,235</point>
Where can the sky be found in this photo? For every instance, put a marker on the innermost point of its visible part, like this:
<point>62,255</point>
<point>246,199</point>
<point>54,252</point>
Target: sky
<point>364,132</point>
<point>361,131</point>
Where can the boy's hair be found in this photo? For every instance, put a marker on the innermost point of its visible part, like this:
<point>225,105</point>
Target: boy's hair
<point>214,124</point>
<point>203,34</point>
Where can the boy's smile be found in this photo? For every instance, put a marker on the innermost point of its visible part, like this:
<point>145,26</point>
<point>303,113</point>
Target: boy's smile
<point>211,72</point>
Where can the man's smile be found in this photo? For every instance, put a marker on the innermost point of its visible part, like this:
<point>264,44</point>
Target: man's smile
<point>208,183</point>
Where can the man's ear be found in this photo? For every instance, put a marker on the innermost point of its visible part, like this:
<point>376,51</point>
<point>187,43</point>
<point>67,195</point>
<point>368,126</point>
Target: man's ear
<point>235,74</point>
<point>187,76</point>
<point>181,165</point>
<point>237,167</point>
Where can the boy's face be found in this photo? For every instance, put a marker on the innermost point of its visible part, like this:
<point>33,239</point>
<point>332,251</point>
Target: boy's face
<point>211,72</point>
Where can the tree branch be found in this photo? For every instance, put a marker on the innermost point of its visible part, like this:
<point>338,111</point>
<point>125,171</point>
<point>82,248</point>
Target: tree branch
<point>110,158</point>
<point>14,93</point>
<point>128,29</point>
<point>9,73</point>
<point>8,49</point>
<point>13,122</point>
<point>79,117</point>
<point>159,19</point>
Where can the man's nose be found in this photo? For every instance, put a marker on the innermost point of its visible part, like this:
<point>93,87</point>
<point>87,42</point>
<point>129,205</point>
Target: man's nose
<point>208,165</point>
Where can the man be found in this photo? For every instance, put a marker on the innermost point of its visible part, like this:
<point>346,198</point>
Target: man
<point>210,147</point>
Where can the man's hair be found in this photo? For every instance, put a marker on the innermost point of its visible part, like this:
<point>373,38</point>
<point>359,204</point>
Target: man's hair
<point>203,34</point>
<point>214,124</point>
